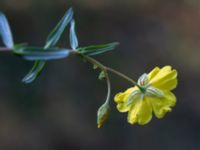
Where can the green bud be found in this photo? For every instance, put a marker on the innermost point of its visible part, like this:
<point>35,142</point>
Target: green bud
<point>102,114</point>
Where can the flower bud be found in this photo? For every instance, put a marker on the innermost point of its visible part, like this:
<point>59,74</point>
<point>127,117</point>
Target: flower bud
<point>102,114</point>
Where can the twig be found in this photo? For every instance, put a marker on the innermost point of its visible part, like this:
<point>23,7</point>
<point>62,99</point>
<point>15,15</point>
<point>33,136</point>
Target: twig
<point>5,50</point>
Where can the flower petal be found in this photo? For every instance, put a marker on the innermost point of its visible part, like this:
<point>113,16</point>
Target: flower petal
<point>121,99</point>
<point>169,84</point>
<point>140,112</point>
<point>165,79</point>
<point>122,107</point>
<point>163,105</point>
<point>153,73</point>
<point>122,96</point>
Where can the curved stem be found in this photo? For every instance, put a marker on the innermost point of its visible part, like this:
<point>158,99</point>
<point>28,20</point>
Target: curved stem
<point>109,88</point>
<point>106,69</point>
<point>103,68</point>
<point>94,62</point>
<point>122,75</point>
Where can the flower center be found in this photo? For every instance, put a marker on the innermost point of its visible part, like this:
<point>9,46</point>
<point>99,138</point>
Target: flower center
<point>147,89</point>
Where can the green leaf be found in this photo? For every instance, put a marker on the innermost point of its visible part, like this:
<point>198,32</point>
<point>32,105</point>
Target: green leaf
<point>38,53</point>
<point>52,40</point>
<point>102,75</point>
<point>97,49</point>
<point>55,35</point>
<point>5,31</point>
<point>72,36</point>
<point>18,46</point>
<point>34,72</point>
<point>95,66</point>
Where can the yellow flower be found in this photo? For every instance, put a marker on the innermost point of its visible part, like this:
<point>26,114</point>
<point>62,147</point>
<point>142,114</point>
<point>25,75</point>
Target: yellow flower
<point>153,96</point>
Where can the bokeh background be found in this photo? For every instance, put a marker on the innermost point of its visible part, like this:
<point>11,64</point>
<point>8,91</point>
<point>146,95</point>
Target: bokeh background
<point>58,110</point>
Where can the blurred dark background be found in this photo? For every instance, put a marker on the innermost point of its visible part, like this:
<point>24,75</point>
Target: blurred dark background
<point>58,110</point>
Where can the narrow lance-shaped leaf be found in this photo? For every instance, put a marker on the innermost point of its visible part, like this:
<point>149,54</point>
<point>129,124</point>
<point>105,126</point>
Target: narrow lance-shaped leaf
<point>38,53</point>
<point>34,72</point>
<point>72,36</point>
<point>52,40</point>
<point>5,31</point>
<point>97,49</point>
<point>55,35</point>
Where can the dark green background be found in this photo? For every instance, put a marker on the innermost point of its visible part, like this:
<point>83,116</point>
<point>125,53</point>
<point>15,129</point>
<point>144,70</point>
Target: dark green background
<point>58,110</point>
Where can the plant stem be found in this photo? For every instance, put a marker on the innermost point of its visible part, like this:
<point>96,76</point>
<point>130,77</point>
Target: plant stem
<point>103,68</point>
<point>5,49</point>
<point>109,88</point>
<point>94,62</point>
<point>106,69</point>
<point>122,75</point>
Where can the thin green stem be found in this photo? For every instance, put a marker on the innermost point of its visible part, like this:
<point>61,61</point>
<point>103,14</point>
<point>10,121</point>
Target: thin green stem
<point>122,75</point>
<point>106,69</point>
<point>94,62</point>
<point>103,68</point>
<point>109,88</point>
